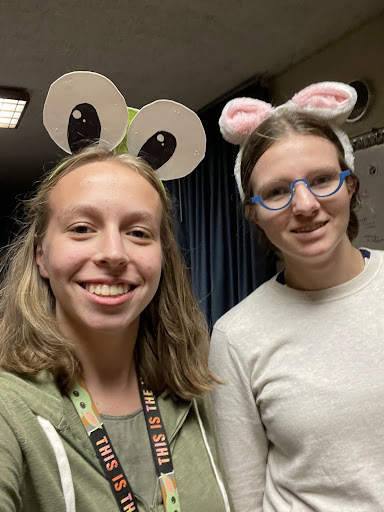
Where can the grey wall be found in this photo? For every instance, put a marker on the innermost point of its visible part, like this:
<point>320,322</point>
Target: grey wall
<point>357,56</point>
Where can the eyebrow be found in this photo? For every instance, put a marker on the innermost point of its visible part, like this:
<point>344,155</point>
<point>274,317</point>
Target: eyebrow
<point>93,211</point>
<point>318,169</point>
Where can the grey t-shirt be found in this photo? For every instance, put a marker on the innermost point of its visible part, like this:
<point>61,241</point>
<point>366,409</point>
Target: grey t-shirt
<point>130,440</point>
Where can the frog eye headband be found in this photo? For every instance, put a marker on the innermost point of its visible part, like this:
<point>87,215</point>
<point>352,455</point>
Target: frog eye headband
<point>331,101</point>
<point>85,108</point>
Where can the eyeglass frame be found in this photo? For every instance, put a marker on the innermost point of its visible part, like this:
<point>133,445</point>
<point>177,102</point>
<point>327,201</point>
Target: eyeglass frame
<point>258,199</point>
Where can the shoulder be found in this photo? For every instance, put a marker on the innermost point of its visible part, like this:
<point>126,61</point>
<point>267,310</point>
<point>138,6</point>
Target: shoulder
<point>373,274</point>
<point>378,257</point>
<point>256,315</point>
<point>21,395</point>
<point>252,307</point>
<point>41,383</point>
<point>203,408</point>
<point>242,334</point>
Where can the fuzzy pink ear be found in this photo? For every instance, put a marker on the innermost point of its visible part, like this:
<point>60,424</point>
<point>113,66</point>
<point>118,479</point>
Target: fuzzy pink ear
<point>241,116</point>
<point>333,101</point>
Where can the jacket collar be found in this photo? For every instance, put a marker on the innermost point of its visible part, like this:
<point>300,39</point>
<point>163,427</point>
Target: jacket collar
<point>42,396</point>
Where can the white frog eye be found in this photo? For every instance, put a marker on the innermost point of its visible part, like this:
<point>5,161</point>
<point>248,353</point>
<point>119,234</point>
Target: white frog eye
<point>169,136</point>
<point>82,108</point>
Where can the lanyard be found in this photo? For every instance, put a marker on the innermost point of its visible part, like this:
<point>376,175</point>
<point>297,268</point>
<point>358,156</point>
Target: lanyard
<point>113,470</point>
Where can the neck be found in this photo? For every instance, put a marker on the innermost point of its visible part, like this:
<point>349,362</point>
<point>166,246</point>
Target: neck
<point>109,370</point>
<point>344,264</point>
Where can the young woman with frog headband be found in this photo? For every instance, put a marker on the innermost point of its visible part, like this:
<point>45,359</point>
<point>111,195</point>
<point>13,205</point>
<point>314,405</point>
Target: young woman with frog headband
<point>103,348</point>
<point>300,420</point>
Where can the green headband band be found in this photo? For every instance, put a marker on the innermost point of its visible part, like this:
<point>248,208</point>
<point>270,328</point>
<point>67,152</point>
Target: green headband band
<point>56,170</point>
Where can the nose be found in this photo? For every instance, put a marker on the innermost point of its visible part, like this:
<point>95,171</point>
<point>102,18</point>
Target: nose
<point>112,250</point>
<point>303,201</point>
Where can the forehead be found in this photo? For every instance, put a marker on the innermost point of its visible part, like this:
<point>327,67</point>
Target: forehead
<point>105,185</point>
<point>294,155</point>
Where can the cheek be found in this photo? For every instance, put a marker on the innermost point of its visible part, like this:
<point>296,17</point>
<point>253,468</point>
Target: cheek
<point>62,260</point>
<point>152,262</point>
<point>271,225</point>
<point>340,206</point>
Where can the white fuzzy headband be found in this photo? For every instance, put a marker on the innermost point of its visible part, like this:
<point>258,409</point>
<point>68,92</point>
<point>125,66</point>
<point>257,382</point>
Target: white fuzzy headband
<point>331,101</point>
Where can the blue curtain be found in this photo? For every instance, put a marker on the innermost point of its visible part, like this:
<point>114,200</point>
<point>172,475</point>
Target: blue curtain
<point>226,261</point>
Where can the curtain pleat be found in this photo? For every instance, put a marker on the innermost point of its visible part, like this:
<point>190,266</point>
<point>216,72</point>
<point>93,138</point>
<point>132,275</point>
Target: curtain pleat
<point>226,261</point>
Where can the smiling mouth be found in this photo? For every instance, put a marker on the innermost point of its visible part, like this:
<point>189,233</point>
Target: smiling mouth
<point>311,227</point>
<point>106,290</point>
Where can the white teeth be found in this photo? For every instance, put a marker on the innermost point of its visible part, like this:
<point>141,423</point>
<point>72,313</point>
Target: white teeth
<point>108,291</point>
<point>307,229</point>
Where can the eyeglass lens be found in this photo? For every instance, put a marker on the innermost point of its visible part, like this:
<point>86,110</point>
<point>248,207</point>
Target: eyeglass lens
<point>277,194</point>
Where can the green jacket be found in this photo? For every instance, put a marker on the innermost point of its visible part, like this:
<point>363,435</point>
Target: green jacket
<point>34,479</point>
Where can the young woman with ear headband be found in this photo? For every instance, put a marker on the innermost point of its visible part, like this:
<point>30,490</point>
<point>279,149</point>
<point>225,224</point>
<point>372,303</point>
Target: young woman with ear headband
<point>299,421</point>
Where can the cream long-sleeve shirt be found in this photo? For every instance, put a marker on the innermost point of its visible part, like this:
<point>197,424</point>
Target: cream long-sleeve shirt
<point>300,421</point>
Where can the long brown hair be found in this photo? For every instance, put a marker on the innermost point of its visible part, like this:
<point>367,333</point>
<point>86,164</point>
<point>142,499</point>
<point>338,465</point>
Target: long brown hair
<point>173,341</point>
<point>276,127</point>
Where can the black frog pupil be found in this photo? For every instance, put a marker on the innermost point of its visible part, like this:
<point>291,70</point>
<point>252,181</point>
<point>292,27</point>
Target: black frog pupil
<point>82,405</point>
<point>84,127</point>
<point>173,500</point>
<point>158,149</point>
<point>76,393</point>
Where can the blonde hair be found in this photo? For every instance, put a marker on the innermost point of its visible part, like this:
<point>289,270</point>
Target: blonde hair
<point>173,341</point>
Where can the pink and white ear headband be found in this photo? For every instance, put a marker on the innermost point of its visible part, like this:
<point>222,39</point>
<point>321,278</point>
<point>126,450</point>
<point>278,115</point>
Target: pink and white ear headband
<point>332,101</point>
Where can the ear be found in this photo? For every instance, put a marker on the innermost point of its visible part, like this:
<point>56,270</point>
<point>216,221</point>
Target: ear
<point>333,101</point>
<point>250,213</point>
<point>40,261</point>
<point>352,185</point>
<point>240,117</point>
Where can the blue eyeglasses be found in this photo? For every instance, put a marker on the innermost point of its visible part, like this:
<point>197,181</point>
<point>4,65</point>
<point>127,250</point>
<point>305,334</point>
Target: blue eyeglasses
<point>278,194</point>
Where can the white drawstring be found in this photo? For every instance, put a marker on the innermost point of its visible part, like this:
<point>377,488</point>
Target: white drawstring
<point>208,448</point>
<point>62,463</point>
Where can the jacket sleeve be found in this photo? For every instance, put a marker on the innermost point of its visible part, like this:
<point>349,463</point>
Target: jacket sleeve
<point>11,462</point>
<point>241,437</point>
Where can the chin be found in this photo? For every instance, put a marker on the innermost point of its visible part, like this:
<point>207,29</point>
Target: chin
<point>109,326</point>
<point>312,251</point>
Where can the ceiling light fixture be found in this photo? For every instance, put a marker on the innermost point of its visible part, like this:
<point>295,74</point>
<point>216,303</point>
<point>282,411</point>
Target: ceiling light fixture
<point>13,103</point>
